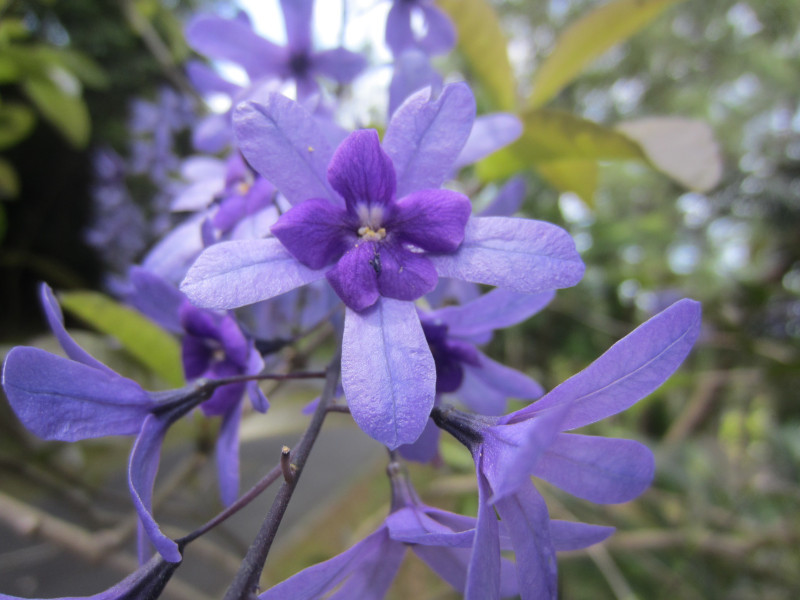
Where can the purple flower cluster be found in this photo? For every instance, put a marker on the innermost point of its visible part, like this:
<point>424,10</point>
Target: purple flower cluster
<point>295,222</point>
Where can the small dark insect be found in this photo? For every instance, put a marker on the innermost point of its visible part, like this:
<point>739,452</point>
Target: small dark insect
<point>375,261</point>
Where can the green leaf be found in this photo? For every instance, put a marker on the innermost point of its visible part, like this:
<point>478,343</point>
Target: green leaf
<point>683,149</point>
<point>482,42</point>
<point>588,38</point>
<point>9,71</point>
<point>144,340</point>
<point>3,222</point>
<point>62,105</point>
<point>78,64</point>
<point>9,182</point>
<point>577,176</point>
<point>16,122</point>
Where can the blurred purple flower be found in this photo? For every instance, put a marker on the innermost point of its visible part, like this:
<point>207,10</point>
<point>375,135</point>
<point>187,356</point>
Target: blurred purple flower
<point>439,34</point>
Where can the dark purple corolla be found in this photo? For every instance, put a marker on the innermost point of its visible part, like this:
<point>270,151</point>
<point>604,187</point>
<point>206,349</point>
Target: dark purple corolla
<point>531,441</point>
<point>372,220</point>
<point>234,40</point>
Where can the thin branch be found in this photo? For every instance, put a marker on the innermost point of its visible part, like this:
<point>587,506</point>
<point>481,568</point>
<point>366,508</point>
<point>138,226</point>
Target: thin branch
<point>245,584</point>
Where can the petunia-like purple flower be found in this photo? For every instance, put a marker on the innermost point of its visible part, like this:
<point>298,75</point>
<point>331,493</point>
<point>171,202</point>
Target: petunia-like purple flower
<point>77,398</point>
<point>213,346</point>
<point>234,40</point>
<point>530,441</point>
<point>439,34</point>
<point>441,539</point>
<point>371,219</point>
<point>146,583</point>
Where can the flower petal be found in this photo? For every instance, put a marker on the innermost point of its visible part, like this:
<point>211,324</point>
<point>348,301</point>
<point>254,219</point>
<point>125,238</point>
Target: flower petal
<point>508,200</point>
<point>234,40</point>
<point>404,275</point>
<point>297,16</point>
<point>339,64</point>
<point>315,232</point>
<point>483,573</point>
<point>426,448</point>
<point>521,255</point>
<point>440,34</point>
<point>399,36</point>
<point>155,298</point>
<point>528,524</point>
<point>388,373</point>
<point>486,388</point>
<point>433,220</point>
<point>598,469</point>
<point>413,71</point>
<point>362,172</point>
<point>228,455</point>
<point>425,136</point>
<point>567,535</point>
<point>281,140</point>
<point>59,399</point>
<point>489,134</point>
<point>142,470</point>
<point>628,371</point>
<point>237,273</point>
<point>354,278</point>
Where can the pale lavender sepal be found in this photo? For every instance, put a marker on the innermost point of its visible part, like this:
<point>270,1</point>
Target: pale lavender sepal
<point>440,34</point>
<point>508,200</point>
<point>297,15</point>
<point>598,469</point>
<point>426,448</point>
<point>372,579</point>
<point>156,299</point>
<point>489,134</point>
<point>312,583</point>
<point>528,524</point>
<point>399,36</point>
<point>55,318</point>
<point>388,373</point>
<point>171,257</point>
<point>628,371</point>
<point>497,309</point>
<point>521,255</point>
<point>425,136</point>
<point>413,71</point>
<point>281,140</point>
<point>568,535</point>
<point>207,81</point>
<point>412,525</point>
<point>234,40</point>
<point>486,388</point>
<point>213,133</point>
<point>227,455</point>
<point>60,399</point>
<point>339,64</point>
<point>233,274</point>
<point>142,470</point>
<point>483,573</point>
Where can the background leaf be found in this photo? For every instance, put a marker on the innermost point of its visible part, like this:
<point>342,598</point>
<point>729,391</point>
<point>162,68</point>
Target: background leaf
<point>578,176</point>
<point>589,37</point>
<point>144,340</point>
<point>63,108</point>
<point>684,149</point>
<point>9,182</point>
<point>484,45</point>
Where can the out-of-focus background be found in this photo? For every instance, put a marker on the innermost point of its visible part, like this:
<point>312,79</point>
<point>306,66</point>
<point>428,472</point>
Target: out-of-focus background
<point>95,111</point>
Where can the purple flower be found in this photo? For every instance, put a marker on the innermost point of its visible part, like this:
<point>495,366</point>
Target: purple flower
<point>439,36</point>
<point>234,40</point>
<point>530,442</point>
<point>371,219</point>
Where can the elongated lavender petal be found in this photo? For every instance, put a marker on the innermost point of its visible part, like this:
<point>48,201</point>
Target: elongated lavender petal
<point>171,257</point>
<point>426,448</point>
<point>399,36</point>
<point>312,583</point>
<point>413,71</point>
<point>521,255</point>
<point>297,16</point>
<point>207,81</point>
<point>314,232</point>
<point>487,388</point>
<point>440,34</point>
<point>508,199</point>
<point>228,455</point>
<point>628,371</point>
<point>425,136</point>
<point>234,40</point>
<point>496,310</point>
<point>489,134</point>
<point>212,133</point>
<point>388,372</point>
<point>433,220</point>
<point>362,172</point>
<point>281,140</point>
<point>372,578</point>
<point>598,469</point>
<point>567,535</point>
<point>528,524</point>
<point>413,526</point>
<point>55,318</point>
<point>59,399</point>
<point>142,470</point>
<point>339,64</point>
<point>483,573</point>
<point>155,298</point>
<point>237,273</point>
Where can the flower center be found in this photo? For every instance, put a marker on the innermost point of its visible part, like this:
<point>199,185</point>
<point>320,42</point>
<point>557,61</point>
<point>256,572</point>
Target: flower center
<point>371,235</point>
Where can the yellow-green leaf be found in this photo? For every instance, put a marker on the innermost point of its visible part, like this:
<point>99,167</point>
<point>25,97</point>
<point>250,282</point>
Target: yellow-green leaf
<point>144,340</point>
<point>16,122</point>
<point>500,165</point>
<point>683,149</point>
<point>9,182</point>
<point>484,45</point>
<point>61,105</point>
<point>588,38</point>
<point>577,176</point>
